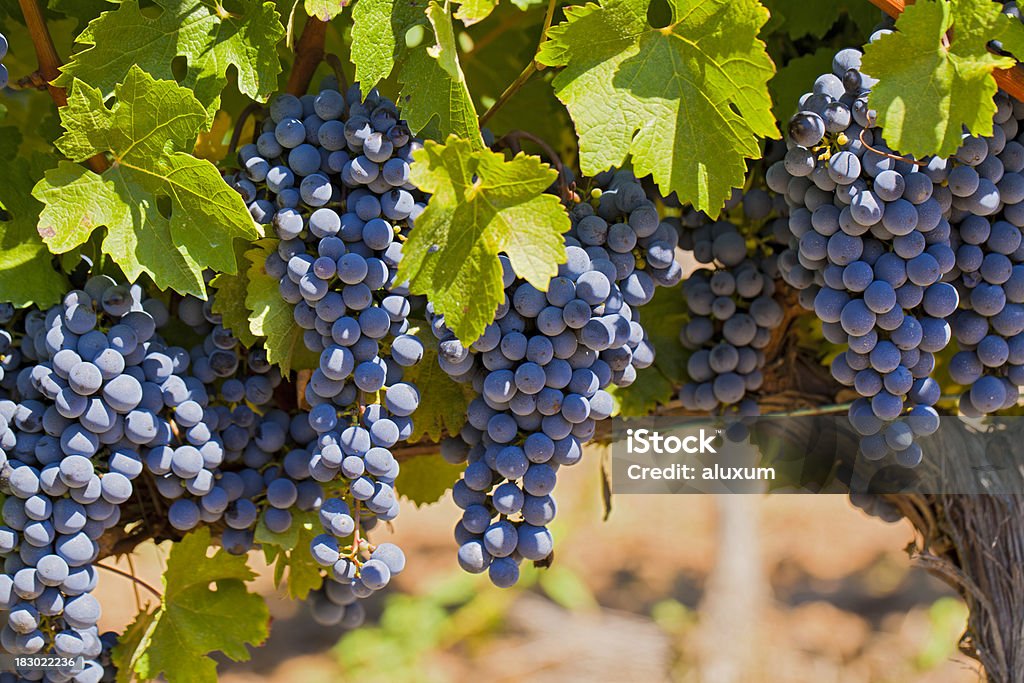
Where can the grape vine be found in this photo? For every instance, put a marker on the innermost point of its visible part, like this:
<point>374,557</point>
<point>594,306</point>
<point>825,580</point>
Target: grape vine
<point>235,305</point>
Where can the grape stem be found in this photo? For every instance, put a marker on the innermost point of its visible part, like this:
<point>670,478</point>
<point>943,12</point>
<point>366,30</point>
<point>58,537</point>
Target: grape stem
<point>49,65</point>
<point>309,52</point>
<point>533,67</point>
<point>135,579</point>
<point>511,141</point>
<point>236,134</point>
<point>1010,80</point>
<point>339,71</point>
<point>135,586</point>
<point>894,157</point>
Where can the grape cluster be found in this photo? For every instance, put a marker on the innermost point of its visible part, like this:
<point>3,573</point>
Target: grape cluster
<point>986,179</point>
<point>330,173</point>
<point>541,369</point>
<point>224,462</point>
<point>732,312</point>
<point>84,406</point>
<point>870,246</point>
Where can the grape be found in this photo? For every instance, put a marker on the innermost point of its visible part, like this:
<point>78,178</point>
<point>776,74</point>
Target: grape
<point>540,369</point>
<point>338,270</point>
<point>806,128</point>
<point>3,69</point>
<point>880,275</point>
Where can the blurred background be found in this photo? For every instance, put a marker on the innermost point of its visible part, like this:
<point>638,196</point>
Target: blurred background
<point>696,589</point>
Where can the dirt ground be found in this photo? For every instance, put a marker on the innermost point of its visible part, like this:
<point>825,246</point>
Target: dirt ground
<point>810,590</point>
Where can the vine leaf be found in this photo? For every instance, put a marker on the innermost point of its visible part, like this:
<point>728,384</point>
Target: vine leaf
<point>167,213</point>
<point>928,91</point>
<point>208,36</point>
<point>446,411</point>
<point>434,86</point>
<point>379,28</point>
<point>481,205</point>
<point>793,17</point>
<point>27,274</point>
<point>192,620</point>
<point>790,82</point>
<point>689,101</point>
<point>290,551</point>
<point>147,132</point>
<point>425,478</point>
<point>272,316</point>
<point>325,10</point>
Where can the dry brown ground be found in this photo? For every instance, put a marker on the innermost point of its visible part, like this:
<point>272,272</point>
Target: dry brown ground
<point>843,604</point>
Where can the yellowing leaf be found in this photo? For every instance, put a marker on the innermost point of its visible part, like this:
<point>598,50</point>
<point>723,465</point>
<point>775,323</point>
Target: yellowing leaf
<point>272,316</point>
<point>473,11</point>
<point>149,132</point>
<point>213,145</point>
<point>192,620</point>
<point>481,205</point>
<point>325,10</point>
<point>928,91</point>
<point>688,101</point>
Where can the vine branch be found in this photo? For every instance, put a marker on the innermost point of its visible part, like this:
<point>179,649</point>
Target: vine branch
<point>135,579</point>
<point>309,52</point>
<point>1010,80</point>
<point>533,67</point>
<point>511,141</point>
<point>49,65</point>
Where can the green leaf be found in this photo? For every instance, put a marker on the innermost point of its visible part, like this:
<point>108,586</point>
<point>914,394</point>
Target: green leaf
<point>379,28</point>
<point>83,11</point>
<point>434,88</point>
<point>148,131</point>
<point>129,642</point>
<point>425,478</point>
<point>193,620</point>
<point>324,10</point>
<point>494,58</point>
<point>928,91</point>
<point>795,18</point>
<point>290,551</point>
<point>689,101</point>
<point>473,11</point>
<point>445,412</point>
<point>481,205</point>
<point>791,80</point>
<point>649,390</point>
<point>210,38</point>
<point>662,319</point>
<point>272,316</point>
<point>27,272</point>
